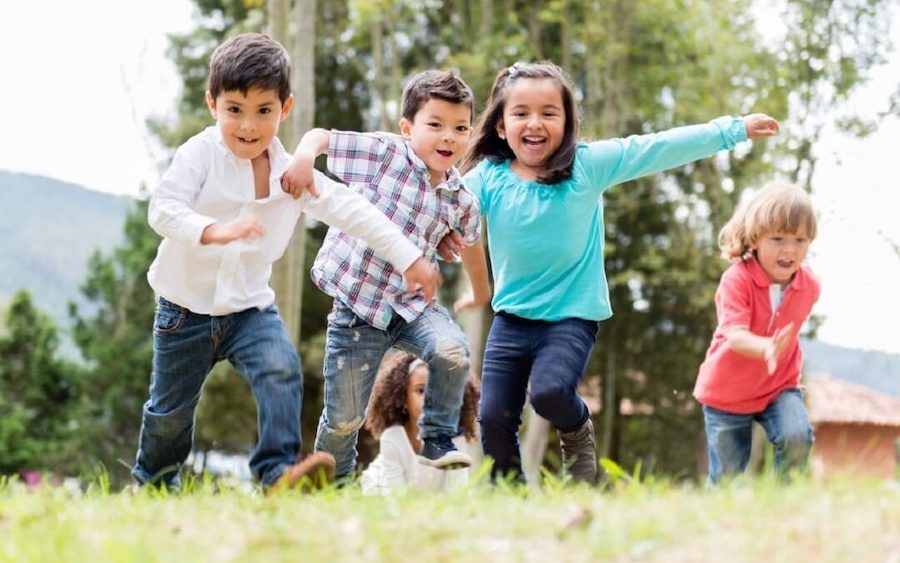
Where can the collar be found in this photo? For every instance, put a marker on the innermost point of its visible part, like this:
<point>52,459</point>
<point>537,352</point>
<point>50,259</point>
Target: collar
<point>761,278</point>
<point>452,182</point>
<point>279,159</point>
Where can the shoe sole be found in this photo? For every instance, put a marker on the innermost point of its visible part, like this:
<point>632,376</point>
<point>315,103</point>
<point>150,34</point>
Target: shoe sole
<point>314,472</point>
<point>453,460</point>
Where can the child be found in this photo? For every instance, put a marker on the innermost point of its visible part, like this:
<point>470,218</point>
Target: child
<point>752,368</point>
<point>392,416</point>
<point>223,227</point>
<point>540,189</point>
<point>412,179</point>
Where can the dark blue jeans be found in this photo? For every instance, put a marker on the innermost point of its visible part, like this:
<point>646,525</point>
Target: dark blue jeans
<point>552,356</point>
<point>185,348</point>
<point>729,435</point>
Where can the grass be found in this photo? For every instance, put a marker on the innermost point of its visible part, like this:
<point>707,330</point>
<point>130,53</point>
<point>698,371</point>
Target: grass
<point>748,520</point>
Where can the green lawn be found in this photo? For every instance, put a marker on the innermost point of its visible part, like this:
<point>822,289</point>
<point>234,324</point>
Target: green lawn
<point>753,520</point>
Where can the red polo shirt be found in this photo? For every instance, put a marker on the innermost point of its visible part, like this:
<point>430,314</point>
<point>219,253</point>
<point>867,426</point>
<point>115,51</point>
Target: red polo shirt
<point>735,383</point>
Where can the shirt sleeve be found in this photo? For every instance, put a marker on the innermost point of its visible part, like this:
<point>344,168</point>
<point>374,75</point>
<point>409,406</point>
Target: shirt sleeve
<point>339,206</point>
<point>358,157</point>
<point>171,212</point>
<point>733,306</point>
<point>393,460</point>
<point>474,182</point>
<point>614,161</point>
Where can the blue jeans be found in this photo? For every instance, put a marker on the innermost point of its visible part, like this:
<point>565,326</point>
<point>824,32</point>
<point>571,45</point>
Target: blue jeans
<point>729,435</point>
<point>186,346</point>
<point>353,352</point>
<point>552,356</point>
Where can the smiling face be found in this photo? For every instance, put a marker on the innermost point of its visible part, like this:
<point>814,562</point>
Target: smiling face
<point>533,123</point>
<point>439,134</point>
<point>248,122</point>
<point>781,254</point>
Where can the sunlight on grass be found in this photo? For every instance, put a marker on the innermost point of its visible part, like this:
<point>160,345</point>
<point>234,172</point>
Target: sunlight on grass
<point>636,518</point>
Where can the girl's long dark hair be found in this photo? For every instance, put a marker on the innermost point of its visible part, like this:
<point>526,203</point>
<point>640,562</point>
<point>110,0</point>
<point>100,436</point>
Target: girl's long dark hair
<point>488,144</point>
<point>387,404</point>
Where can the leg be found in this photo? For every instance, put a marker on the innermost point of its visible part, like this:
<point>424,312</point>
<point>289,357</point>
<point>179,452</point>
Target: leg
<point>440,342</point>
<point>257,345</point>
<point>353,352</point>
<point>561,357</point>
<point>728,441</point>
<point>183,354</point>
<point>787,426</point>
<point>504,380</point>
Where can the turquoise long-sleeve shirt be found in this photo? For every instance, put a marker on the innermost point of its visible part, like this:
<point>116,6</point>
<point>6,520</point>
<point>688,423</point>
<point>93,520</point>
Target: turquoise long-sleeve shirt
<point>546,240</point>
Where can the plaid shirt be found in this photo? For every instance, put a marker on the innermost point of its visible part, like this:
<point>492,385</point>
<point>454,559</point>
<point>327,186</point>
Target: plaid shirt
<point>386,171</point>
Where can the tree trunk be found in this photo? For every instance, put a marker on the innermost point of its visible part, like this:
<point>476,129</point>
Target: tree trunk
<point>294,27</point>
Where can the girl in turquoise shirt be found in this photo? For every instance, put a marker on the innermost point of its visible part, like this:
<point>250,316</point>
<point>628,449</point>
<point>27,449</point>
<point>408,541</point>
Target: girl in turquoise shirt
<point>540,191</point>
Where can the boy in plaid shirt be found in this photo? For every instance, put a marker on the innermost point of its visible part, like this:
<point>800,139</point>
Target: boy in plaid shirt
<point>413,180</point>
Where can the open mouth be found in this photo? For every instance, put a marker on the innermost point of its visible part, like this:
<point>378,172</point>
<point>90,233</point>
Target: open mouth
<point>445,153</point>
<point>531,141</point>
<point>785,263</point>
<point>246,141</point>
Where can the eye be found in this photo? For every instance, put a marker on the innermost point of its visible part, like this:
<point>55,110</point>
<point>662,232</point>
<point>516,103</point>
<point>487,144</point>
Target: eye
<point>233,109</point>
<point>434,124</point>
<point>265,111</point>
<point>462,128</point>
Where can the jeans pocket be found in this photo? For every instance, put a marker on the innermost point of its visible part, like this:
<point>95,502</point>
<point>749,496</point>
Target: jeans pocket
<point>342,316</point>
<point>169,317</point>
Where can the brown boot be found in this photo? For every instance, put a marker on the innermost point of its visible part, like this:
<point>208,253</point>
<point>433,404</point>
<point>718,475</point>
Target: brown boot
<point>314,472</point>
<point>579,453</point>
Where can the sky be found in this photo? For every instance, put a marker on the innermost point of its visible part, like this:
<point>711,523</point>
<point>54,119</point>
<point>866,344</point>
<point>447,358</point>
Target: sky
<point>80,79</point>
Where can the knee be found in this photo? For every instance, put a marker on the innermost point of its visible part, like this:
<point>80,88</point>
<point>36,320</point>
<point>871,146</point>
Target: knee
<point>498,419</point>
<point>450,355</point>
<point>547,398</point>
<point>345,428</point>
<point>796,440</point>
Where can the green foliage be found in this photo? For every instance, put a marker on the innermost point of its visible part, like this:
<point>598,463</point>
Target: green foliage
<point>116,342</point>
<point>39,394</point>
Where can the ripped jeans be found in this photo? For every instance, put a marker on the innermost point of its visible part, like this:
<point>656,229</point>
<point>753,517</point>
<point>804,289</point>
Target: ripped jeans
<point>353,352</point>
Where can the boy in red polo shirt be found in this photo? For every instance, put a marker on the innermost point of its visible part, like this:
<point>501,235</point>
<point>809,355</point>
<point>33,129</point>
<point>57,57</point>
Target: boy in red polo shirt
<point>752,368</point>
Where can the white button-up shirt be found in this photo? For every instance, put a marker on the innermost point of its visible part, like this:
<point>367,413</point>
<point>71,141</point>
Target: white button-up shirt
<point>205,184</point>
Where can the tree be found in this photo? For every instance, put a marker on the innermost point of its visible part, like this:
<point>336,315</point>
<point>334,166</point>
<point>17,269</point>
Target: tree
<point>39,394</point>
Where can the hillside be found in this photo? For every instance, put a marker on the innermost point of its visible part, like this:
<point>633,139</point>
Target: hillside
<point>48,231</point>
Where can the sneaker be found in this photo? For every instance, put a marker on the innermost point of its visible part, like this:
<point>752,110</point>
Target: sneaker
<point>439,451</point>
<point>579,453</point>
<point>314,472</point>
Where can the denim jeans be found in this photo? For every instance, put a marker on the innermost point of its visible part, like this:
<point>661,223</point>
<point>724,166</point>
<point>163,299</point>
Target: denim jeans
<point>552,356</point>
<point>353,351</point>
<point>186,346</point>
<point>729,435</point>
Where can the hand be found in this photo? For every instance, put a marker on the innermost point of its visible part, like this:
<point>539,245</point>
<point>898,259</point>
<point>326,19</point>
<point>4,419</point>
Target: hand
<point>467,302</point>
<point>423,276</point>
<point>450,246</point>
<point>299,176</point>
<point>776,345</point>
<point>236,229</point>
<point>760,125</point>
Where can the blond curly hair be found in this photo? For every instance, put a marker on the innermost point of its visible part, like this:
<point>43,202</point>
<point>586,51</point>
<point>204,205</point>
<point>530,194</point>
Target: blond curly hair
<point>778,207</point>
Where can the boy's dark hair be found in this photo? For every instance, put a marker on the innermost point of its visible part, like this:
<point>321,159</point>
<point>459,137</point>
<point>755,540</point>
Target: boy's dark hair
<point>387,405</point>
<point>429,84</point>
<point>250,60</point>
<point>488,144</point>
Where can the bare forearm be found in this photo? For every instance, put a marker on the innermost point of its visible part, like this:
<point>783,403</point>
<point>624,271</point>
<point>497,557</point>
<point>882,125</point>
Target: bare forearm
<point>745,343</point>
<point>475,264</point>
<point>314,142</point>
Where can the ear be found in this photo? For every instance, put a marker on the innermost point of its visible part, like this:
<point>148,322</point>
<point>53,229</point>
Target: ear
<point>286,107</point>
<point>501,129</point>
<point>211,103</point>
<point>405,126</point>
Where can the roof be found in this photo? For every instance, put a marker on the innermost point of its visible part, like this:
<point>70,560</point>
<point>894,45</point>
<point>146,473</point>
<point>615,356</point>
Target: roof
<point>834,400</point>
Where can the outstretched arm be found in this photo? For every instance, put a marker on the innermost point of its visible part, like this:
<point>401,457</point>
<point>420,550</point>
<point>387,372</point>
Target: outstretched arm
<point>299,175</point>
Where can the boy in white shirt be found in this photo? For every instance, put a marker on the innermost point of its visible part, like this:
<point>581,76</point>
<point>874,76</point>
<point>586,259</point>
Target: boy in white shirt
<point>224,221</point>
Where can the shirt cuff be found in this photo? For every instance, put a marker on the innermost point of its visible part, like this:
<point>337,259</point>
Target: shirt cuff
<point>193,227</point>
<point>733,130</point>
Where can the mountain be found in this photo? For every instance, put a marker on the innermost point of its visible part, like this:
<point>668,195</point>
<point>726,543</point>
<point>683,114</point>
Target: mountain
<point>48,231</point>
<point>877,370</point>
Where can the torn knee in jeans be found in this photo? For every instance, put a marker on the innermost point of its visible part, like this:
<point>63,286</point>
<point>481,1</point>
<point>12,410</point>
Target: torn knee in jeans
<point>348,427</point>
<point>454,354</point>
